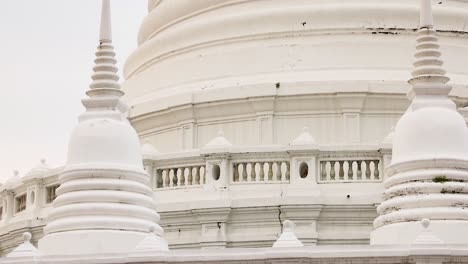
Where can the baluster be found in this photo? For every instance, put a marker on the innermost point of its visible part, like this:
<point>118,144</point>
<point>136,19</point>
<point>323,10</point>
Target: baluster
<point>359,170</point>
<point>171,178</point>
<point>337,170</point>
<point>377,170</point>
<point>240,171</point>
<point>366,170</point>
<point>355,170</point>
<point>372,170</point>
<point>187,177</point>
<point>165,178</point>
<point>244,174</point>
<point>235,175</point>
<point>288,171</point>
<point>257,171</point>
<point>333,170</point>
<point>179,177</point>
<point>284,169</point>
<point>323,170</point>
<point>346,169</point>
<point>253,174</point>
<point>328,168</point>
<point>270,172</point>
<point>202,175</point>
<point>266,172</point>
<point>195,181</point>
<point>340,170</point>
<point>274,170</point>
<point>250,170</point>
<point>350,170</point>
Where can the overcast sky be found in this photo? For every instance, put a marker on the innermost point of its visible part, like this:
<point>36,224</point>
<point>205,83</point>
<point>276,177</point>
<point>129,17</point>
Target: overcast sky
<point>46,58</point>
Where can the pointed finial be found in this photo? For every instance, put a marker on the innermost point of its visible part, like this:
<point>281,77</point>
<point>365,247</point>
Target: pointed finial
<point>25,249</point>
<point>426,17</point>
<point>105,34</point>
<point>288,226</point>
<point>43,161</point>
<point>220,133</point>
<point>288,238</point>
<point>27,237</point>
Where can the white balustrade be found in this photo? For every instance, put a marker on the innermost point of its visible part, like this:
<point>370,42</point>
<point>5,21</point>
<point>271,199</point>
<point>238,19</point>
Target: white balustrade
<point>273,167</point>
<point>180,177</point>
<point>261,172</point>
<point>350,170</point>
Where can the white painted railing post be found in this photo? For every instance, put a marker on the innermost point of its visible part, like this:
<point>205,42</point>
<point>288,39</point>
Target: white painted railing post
<point>304,151</point>
<point>303,166</point>
<point>218,171</point>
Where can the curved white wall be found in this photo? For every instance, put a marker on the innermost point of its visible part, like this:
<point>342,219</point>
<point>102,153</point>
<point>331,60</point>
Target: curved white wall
<point>262,69</point>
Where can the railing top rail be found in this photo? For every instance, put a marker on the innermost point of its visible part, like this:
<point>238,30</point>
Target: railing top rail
<point>267,152</point>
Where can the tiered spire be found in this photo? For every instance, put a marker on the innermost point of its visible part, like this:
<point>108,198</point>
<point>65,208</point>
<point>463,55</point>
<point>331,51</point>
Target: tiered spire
<point>428,75</point>
<point>104,90</point>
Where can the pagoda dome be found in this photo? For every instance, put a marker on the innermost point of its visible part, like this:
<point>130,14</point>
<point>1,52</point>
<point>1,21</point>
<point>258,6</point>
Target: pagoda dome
<point>254,65</point>
<point>417,136</point>
<point>104,143</point>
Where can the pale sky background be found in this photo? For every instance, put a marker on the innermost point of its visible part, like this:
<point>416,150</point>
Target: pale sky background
<point>46,58</point>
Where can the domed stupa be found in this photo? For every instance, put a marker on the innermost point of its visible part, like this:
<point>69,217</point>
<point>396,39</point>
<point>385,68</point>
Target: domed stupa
<point>103,195</point>
<point>429,169</point>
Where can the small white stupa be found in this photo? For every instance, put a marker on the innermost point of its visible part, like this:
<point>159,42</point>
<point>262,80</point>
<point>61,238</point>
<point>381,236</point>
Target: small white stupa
<point>219,142</point>
<point>25,249</point>
<point>305,138</point>
<point>428,176</point>
<point>288,238</point>
<point>303,142</point>
<point>38,170</point>
<point>148,150</point>
<point>104,204</point>
<point>13,181</point>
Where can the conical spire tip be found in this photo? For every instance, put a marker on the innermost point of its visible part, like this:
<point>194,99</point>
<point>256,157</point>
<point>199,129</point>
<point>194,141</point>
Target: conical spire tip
<point>426,16</point>
<point>105,34</point>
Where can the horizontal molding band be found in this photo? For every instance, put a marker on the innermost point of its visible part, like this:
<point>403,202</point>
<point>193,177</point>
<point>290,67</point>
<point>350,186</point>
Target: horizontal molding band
<point>84,184</point>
